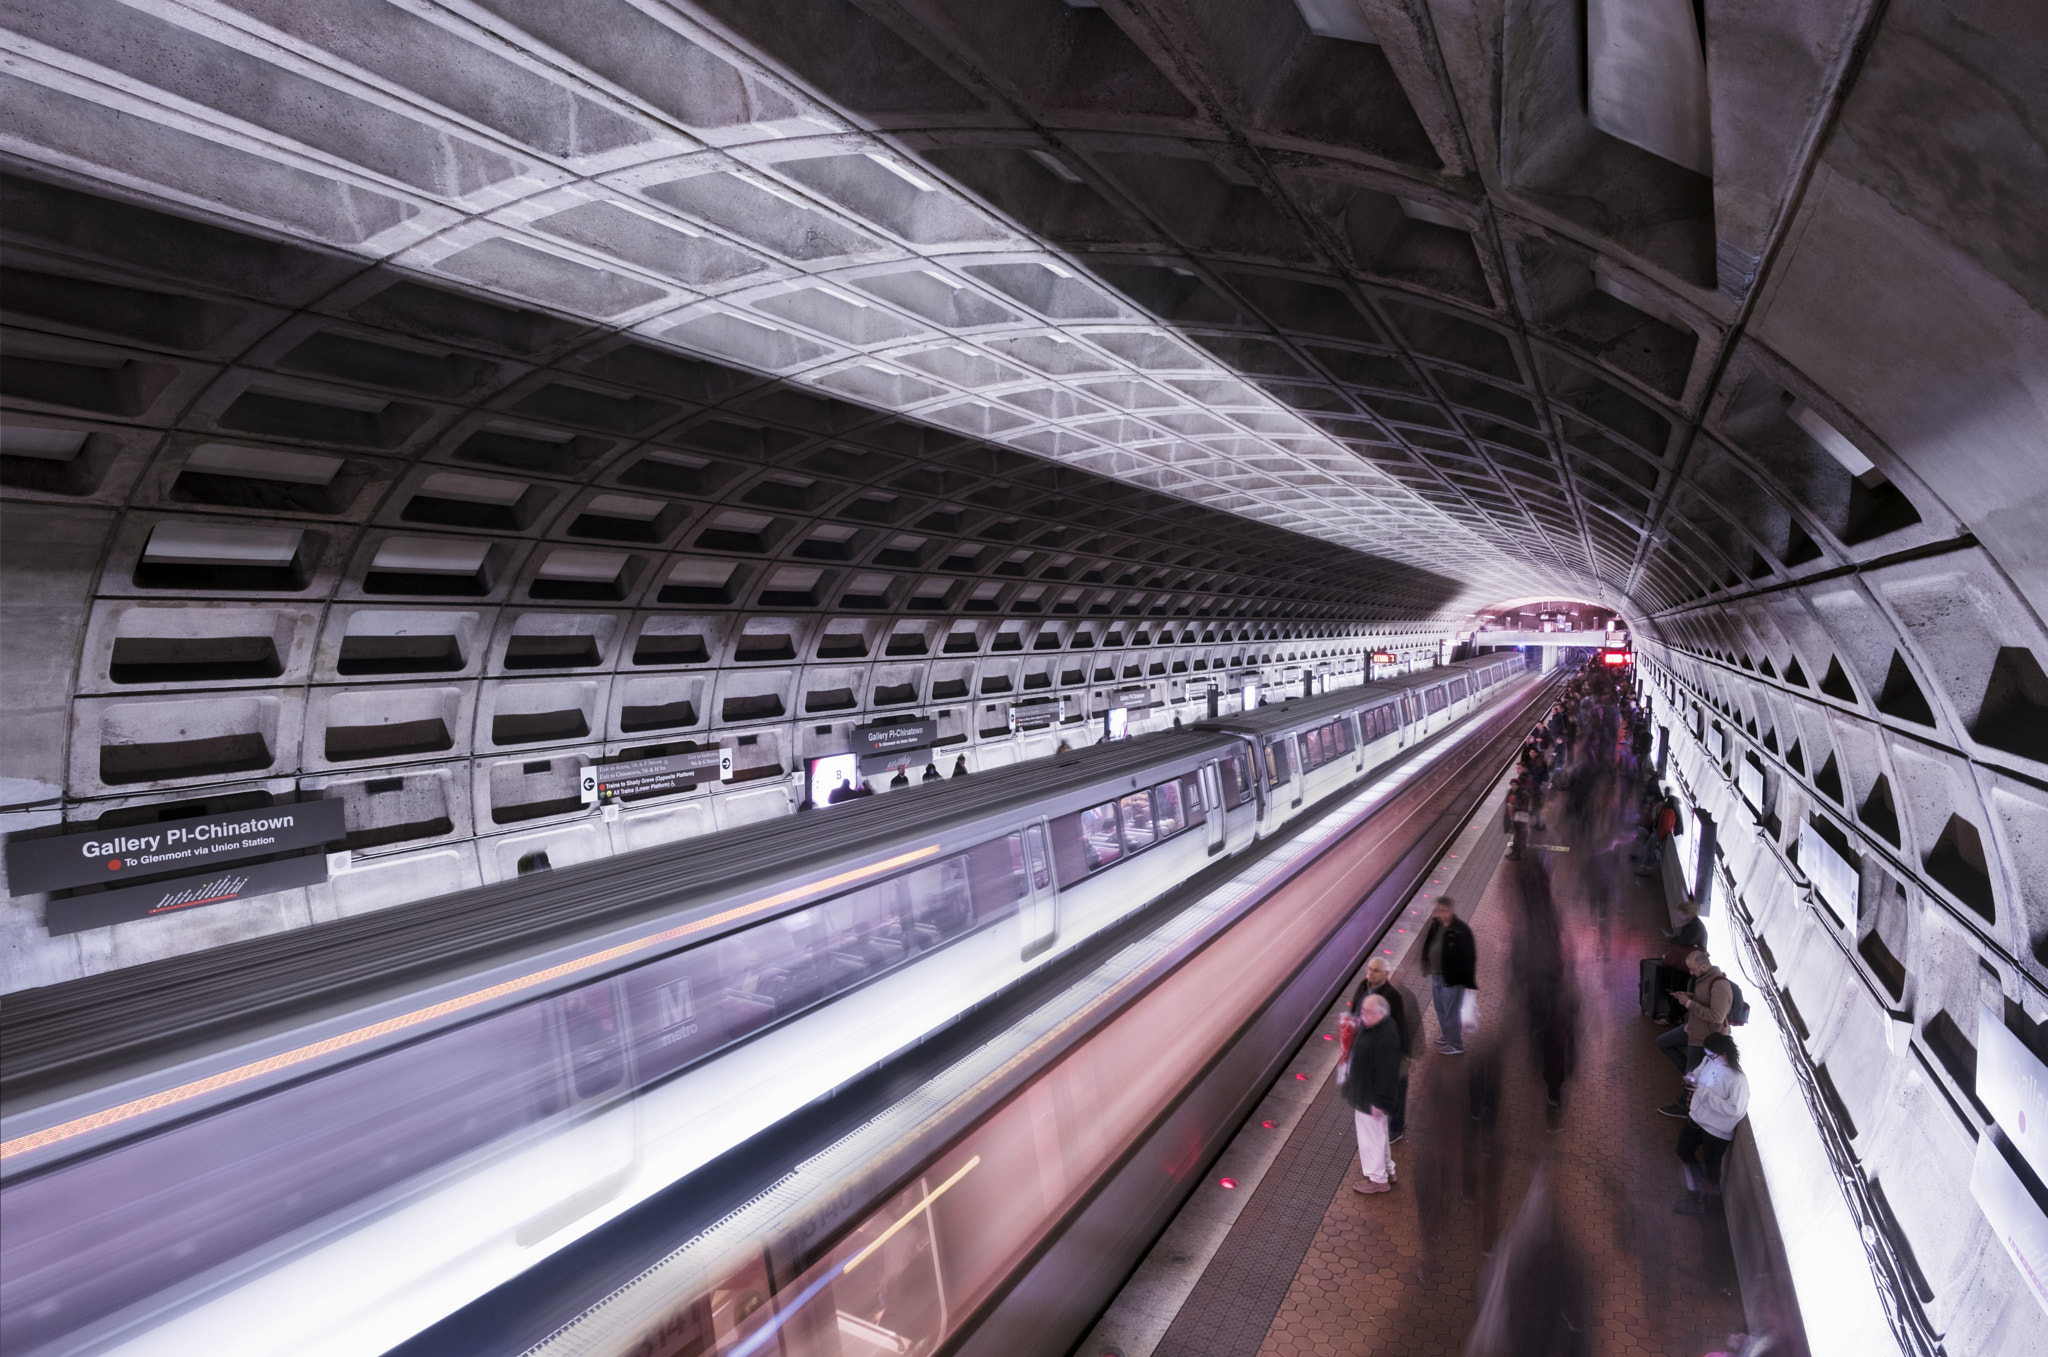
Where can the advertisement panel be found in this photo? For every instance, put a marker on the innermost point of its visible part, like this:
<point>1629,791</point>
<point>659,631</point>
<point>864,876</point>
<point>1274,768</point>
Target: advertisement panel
<point>1834,880</point>
<point>2014,1086</point>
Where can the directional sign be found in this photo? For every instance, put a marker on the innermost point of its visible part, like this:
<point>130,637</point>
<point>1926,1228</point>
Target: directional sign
<point>611,782</point>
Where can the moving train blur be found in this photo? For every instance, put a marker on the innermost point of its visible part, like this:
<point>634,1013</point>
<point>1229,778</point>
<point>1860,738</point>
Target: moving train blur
<point>326,1143</point>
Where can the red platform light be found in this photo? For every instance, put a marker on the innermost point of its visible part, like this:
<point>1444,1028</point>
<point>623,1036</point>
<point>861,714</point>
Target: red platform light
<point>1226,1183</point>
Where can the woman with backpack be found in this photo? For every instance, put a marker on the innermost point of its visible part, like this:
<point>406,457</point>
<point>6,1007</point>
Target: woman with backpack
<point>1720,1100</point>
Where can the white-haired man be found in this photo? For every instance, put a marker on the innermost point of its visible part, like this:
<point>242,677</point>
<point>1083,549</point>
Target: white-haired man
<point>1372,1085</point>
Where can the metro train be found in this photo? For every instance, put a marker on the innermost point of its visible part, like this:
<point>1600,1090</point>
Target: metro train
<point>324,1141</point>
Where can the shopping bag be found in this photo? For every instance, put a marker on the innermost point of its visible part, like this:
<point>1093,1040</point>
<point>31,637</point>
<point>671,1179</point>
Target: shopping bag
<point>1468,1012</point>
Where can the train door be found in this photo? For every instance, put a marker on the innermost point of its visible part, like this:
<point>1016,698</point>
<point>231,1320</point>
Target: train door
<point>591,1147</point>
<point>1212,796</point>
<point>1357,728</point>
<point>1041,904</point>
<point>1292,748</point>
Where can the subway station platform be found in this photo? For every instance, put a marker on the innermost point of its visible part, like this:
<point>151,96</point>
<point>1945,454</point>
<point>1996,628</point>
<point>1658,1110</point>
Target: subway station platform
<point>1276,1256</point>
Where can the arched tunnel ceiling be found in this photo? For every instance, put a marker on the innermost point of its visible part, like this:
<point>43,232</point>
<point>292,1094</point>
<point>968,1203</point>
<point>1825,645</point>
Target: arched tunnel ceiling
<point>1017,315</point>
<point>411,403</point>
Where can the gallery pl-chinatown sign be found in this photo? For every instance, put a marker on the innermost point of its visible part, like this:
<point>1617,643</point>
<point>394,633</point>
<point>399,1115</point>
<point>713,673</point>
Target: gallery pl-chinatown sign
<point>199,851</point>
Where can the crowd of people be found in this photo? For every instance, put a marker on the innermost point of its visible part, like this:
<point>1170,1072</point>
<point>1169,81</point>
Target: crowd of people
<point>1587,764</point>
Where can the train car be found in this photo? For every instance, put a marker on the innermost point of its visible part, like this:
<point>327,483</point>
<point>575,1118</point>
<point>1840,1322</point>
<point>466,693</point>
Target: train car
<point>1307,749</point>
<point>425,1103</point>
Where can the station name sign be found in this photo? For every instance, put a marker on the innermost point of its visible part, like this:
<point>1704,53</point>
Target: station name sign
<point>871,740</point>
<point>182,864</point>
<point>103,856</point>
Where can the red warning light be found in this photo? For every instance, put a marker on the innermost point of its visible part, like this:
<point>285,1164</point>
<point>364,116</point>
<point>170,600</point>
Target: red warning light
<point>1267,1124</point>
<point>1226,1183</point>
<point>1616,657</point>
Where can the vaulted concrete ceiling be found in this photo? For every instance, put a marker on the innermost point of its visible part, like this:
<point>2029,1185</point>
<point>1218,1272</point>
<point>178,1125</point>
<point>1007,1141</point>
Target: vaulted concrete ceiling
<point>411,402</point>
<point>1384,274</point>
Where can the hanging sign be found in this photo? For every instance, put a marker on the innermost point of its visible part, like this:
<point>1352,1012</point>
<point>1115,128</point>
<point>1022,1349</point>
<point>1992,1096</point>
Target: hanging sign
<point>606,783</point>
<point>869,741</point>
<point>99,909</point>
<point>101,856</point>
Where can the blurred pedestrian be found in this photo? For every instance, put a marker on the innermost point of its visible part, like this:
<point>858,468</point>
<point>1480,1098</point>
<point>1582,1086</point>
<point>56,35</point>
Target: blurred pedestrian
<point>1372,1084</point>
<point>1532,1295</point>
<point>1450,958</point>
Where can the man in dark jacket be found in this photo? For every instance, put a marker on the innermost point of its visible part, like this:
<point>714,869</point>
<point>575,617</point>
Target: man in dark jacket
<point>1451,960</point>
<point>1379,979</point>
<point>1372,1085</point>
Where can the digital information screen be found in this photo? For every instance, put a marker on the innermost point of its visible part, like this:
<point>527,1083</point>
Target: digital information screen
<point>831,772</point>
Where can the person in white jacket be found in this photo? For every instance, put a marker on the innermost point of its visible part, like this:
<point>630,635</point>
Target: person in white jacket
<point>1720,1100</point>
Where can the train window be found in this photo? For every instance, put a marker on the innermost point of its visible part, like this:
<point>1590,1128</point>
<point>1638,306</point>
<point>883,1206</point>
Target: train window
<point>597,1059</point>
<point>1085,842</point>
<point>1041,872</point>
<point>1139,831</point>
<point>1325,743</point>
<point>1236,771</point>
<point>1166,812</point>
<point>1191,800</point>
<point>1279,762</point>
<point>686,1006</point>
<point>1380,723</point>
<point>1436,699</point>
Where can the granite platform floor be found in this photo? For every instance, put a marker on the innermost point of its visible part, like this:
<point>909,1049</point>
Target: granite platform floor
<point>1578,1204</point>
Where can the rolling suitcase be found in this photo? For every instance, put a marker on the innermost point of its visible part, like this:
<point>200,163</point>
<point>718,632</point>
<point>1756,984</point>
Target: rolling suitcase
<point>1653,989</point>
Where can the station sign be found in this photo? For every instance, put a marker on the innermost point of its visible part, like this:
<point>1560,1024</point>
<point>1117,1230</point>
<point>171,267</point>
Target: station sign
<point>100,856</point>
<point>606,783</point>
<point>1036,716</point>
<point>101,909</point>
<point>214,859</point>
<point>870,741</point>
<point>1383,657</point>
<point>1616,657</point>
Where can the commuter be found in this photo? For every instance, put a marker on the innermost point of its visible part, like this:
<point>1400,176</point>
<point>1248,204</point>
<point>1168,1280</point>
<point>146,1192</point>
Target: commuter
<point>1372,1085</point>
<point>843,792</point>
<point>1379,979</point>
<point>960,766</point>
<point>931,773</point>
<point>1451,960</point>
<point>1706,1001</point>
<point>901,780</point>
<point>1533,1295</point>
<point>1519,797</point>
<point>1663,825</point>
<point>1692,934</point>
<point>1720,1100</point>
